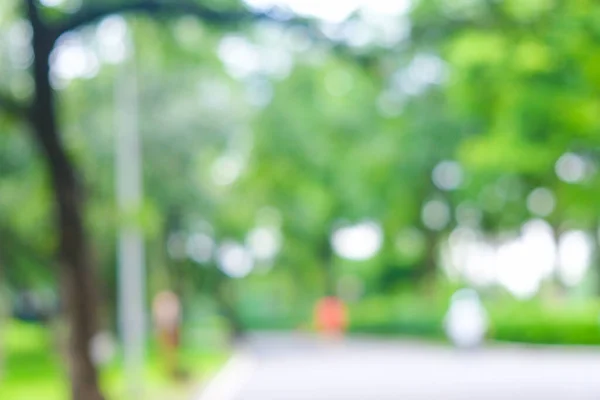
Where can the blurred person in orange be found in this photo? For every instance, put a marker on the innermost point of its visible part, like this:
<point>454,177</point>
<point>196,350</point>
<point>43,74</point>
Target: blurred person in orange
<point>166,310</point>
<point>331,317</point>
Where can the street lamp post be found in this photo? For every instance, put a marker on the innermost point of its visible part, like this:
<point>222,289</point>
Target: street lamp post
<point>131,274</point>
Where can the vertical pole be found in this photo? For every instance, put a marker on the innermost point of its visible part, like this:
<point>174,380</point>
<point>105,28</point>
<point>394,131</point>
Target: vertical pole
<point>4,312</point>
<point>131,275</point>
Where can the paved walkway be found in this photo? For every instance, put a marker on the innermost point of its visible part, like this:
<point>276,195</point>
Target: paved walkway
<point>280,367</point>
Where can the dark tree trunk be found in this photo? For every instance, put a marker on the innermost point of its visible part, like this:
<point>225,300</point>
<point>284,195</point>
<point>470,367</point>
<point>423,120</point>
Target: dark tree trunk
<point>77,286</point>
<point>430,262</point>
<point>329,275</point>
<point>76,274</point>
<point>431,259</point>
<point>225,296</point>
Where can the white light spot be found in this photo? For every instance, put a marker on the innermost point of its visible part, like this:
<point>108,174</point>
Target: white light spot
<point>574,252</point>
<point>235,260</point>
<point>261,4</point>
<point>480,265</point>
<point>515,272</point>
<point>520,264</point>
<point>243,59</point>
<point>387,30</point>
<point>523,263</point>
<point>541,202</point>
<point>427,69</point>
<point>359,242</point>
<point>19,41</point>
<point>264,243</point>
<point>435,215</point>
<point>227,169</point>
<point>102,348</point>
<point>423,71</point>
<point>538,237</point>
<point>334,10</point>
<point>466,321</point>
<point>460,242</point>
<point>471,257</point>
<point>387,7</point>
<point>357,33</point>
<point>111,36</point>
<point>71,59</point>
<point>199,247</point>
<point>571,168</point>
<point>447,175</point>
<point>239,56</point>
<point>52,3</point>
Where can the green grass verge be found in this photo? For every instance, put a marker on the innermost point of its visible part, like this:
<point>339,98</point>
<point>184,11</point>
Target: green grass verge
<point>33,370</point>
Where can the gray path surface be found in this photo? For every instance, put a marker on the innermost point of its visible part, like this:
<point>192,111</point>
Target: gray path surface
<point>305,368</point>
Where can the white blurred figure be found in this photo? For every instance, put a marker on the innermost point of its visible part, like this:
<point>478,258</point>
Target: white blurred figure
<point>102,348</point>
<point>466,322</point>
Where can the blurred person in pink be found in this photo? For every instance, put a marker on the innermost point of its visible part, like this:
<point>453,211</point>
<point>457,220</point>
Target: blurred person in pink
<point>166,311</point>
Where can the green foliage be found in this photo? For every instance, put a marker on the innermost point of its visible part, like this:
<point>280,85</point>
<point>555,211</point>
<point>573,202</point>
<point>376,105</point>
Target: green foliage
<point>326,141</point>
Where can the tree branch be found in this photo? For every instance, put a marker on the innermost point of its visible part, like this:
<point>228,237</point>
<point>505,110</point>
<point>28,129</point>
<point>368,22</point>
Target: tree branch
<point>92,13</point>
